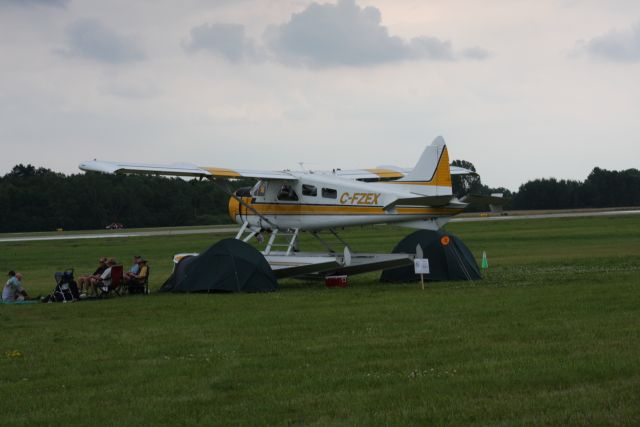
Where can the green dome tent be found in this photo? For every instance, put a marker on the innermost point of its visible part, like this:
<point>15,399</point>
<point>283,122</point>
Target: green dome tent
<point>449,258</point>
<point>228,266</point>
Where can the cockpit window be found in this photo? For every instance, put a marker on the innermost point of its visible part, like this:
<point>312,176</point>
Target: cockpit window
<point>286,193</point>
<point>329,193</point>
<point>259,189</point>
<point>309,190</point>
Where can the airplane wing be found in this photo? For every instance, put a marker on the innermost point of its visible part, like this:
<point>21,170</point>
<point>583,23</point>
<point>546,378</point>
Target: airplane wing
<point>374,174</point>
<point>181,169</point>
<point>388,173</point>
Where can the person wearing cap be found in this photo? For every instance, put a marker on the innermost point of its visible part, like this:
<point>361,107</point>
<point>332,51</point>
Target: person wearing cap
<point>134,270</point>
<point>13,290</point>
<point>85,283</point>
<point>140,277</point>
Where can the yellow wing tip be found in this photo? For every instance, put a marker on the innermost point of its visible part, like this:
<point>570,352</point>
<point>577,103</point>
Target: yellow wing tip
<point>223,172</point>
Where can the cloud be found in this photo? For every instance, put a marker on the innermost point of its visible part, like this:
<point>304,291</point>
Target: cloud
<point>431,48</point>
<point>89,39</point>
<point>346,34</point>
<point>55,3</point>
<point>476,52</point>
<point>618,46</point>
<point>226,40</point>
<point>325,35</point>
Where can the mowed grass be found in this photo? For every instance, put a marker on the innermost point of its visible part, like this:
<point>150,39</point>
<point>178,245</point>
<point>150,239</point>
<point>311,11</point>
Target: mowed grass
<point>549,337</point>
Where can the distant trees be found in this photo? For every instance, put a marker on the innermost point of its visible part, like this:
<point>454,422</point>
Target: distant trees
<point>36,199</point>
<point>613,188</point>
<point>602,188</point>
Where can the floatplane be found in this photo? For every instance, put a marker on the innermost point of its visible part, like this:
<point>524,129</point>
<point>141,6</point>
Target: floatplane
<point>283,204</point>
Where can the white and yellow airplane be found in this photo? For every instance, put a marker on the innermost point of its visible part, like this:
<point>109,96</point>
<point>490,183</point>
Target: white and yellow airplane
<point>289,202</point>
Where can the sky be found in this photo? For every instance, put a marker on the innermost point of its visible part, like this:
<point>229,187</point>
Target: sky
<point>522,89</point>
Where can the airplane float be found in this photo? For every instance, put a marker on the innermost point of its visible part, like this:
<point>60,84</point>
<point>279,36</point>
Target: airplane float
<point>286,203</point>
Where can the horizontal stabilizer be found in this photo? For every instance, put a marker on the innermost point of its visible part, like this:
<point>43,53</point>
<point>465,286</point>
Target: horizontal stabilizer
<point>434,201</point>
<point>478,199</point>
<point>457,170</point>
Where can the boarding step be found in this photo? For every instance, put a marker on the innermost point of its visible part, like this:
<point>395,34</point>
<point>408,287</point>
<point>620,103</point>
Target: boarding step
<point>250,233</point>
<point>290,237</point>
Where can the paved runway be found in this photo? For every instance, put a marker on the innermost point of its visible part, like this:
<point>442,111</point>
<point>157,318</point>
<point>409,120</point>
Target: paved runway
<point>120,234</point>
<point>234,229</point>
<point>546,216</point>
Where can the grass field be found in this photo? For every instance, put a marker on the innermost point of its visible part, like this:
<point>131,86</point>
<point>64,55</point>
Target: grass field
<point>550,337</point>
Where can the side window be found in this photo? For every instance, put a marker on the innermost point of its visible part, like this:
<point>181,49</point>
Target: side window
<point>286,193</point>
<point>309,190</point>
<point>329,193</point>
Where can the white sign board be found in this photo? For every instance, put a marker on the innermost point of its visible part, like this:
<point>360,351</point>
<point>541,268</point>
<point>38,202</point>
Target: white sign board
<point>421,265</point>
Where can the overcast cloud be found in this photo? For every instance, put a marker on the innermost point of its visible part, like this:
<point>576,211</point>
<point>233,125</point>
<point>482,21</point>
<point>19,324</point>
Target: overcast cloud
<point>326,35</point>
<point>90,39</point>
<point>56,3</point>
<point>265,84</point>
<point>621,46</point>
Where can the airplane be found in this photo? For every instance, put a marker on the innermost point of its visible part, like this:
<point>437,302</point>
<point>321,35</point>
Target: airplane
<point>288,202</point>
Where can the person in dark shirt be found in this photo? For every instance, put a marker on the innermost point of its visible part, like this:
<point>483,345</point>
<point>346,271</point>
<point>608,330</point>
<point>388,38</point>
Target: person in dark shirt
<point>86,283</point>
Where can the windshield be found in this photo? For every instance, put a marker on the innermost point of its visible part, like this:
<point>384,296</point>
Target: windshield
<point>259,189</point>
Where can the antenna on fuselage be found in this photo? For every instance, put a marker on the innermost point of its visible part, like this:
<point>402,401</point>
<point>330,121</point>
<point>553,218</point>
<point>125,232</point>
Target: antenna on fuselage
<point>303,169</point>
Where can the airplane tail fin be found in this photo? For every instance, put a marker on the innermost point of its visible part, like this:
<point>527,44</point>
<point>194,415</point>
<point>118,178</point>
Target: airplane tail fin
<point>432,168</point>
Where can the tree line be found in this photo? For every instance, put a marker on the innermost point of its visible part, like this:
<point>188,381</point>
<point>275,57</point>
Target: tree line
<point>39,199</point>
<point>602,189</point>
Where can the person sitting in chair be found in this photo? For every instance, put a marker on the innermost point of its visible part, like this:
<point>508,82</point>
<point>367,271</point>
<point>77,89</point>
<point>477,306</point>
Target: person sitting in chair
<point>134,270</point>
<point>13,290</point>
<point>133,280</point>
<point>85,283</point>
<point>104,282</point>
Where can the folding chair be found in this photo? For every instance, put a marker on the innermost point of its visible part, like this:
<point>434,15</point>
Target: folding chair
<point>116,282</point>
<point>117,278</point>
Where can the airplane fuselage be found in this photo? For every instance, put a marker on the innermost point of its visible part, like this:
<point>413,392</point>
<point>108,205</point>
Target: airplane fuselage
<point>322,201</point>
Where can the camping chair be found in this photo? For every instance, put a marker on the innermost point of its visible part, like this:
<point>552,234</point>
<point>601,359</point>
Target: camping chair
<point>116,282</point>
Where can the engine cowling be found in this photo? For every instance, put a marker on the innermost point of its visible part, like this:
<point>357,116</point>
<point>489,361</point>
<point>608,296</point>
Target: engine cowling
<point>234,210</point>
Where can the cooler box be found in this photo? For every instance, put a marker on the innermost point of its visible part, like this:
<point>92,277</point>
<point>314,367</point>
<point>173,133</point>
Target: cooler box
<point>336,281</point>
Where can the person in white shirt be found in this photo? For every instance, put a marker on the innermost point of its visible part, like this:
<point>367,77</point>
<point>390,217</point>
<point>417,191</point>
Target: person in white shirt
<point>104,282</point>
<point>13,290</point>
